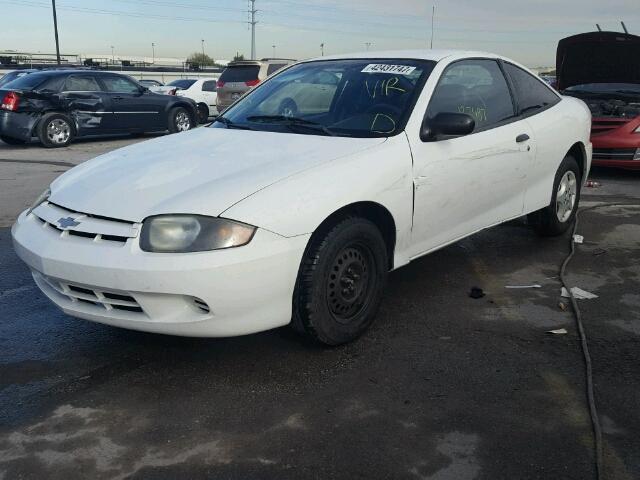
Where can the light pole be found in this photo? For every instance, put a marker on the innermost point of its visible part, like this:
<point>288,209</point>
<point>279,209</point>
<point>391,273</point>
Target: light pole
<point>113,57</point>
<point>274,51</point>
<point>368,45</point>
<point>322,49</point>
<point>153,50</point>
<point>433,16</point>
<point>202,52</point>
<point>55,29</point>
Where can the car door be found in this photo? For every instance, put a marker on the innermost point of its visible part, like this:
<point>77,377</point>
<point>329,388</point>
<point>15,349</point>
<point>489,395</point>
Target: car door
<point>82,95</point>
<point>209,93</point>
<point>471,182</point>
<point>134,108</point>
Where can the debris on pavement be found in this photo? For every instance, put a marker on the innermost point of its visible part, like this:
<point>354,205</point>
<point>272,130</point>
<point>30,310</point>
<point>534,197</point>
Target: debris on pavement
<point>578,294</point>
<point>561,331</point>
<point>516,287</point>
<point>592,184</point>
<point>476,293</point>
<point>579,239</point>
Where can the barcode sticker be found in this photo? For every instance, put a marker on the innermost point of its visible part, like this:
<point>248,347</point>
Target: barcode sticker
<point>391,69</point>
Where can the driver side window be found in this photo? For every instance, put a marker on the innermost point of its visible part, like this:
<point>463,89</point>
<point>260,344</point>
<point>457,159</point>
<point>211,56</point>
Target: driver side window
<point>477,88</point>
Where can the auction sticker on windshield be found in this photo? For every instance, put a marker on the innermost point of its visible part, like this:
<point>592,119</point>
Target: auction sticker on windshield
<point>392,69</point>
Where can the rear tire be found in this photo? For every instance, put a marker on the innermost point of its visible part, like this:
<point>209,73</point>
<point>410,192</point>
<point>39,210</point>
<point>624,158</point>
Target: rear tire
<point>556,218</point>
<point>340,282</point>
<point>203,113</point>
<point>12,141</point>
<point>55,130</point>
<point>180,120</point>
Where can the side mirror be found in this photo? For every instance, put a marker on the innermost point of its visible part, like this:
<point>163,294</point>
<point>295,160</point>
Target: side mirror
<point>143,90</point>
<point>447,124</point>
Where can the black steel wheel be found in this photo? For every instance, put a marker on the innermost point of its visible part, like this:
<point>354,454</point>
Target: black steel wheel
<point>349,286</point>
<point>340,282</point>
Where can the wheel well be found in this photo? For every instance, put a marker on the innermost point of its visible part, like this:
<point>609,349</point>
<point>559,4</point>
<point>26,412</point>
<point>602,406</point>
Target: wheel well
<point>376,214</point>
<point>69,115</point>
<point>578,152</point>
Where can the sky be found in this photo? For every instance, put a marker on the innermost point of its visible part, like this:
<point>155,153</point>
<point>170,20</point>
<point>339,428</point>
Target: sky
<point>525,31</point>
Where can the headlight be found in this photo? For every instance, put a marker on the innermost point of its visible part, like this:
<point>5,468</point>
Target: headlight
<point>192,233</point>
<point>44,196</point>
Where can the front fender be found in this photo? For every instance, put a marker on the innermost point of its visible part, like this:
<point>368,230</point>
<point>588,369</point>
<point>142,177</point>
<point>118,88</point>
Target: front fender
<point>297,205</point>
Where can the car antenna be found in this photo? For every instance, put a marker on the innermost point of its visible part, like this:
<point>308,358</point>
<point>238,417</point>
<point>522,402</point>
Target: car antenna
<point>598,25</point>
<point>624,27</point>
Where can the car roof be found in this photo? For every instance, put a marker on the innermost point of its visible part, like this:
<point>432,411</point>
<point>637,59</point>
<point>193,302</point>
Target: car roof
<point>425,54</point>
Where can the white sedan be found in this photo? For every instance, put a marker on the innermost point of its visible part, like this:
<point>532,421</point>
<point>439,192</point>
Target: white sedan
<point>294,205</point>
<point>204,92</point>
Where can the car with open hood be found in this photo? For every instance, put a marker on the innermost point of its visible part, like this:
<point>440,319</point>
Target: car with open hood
<point>293,206</point>
<point>603,69</point>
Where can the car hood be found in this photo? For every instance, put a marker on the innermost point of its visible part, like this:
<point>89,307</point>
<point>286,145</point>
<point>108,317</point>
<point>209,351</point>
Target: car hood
<point>204,171</point>
<point>598,57</point>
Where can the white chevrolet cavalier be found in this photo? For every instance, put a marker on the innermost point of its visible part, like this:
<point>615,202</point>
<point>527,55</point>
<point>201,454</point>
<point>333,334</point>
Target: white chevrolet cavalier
<point>295,204</point>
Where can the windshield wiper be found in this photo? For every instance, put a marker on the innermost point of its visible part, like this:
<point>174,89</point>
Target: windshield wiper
<point>292,122</point>
<point>533,107</point>
<point>229,124</point>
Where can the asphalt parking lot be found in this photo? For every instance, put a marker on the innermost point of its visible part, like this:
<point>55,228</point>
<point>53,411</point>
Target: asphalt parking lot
<point>442,387</point>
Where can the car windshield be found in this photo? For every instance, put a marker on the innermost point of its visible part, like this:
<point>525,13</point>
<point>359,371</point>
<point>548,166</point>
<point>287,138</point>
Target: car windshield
<point>606,88</point>
<point>27,82</point>
<point>182,83</point>
<point>358,98</point>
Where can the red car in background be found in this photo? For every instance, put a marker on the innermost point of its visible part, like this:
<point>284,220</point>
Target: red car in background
<point>603,70</point>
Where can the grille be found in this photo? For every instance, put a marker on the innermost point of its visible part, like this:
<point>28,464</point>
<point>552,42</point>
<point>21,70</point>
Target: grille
<point>98,298</point>
<point>600,125</point>
<point>614,153</point>
<point>83,225</point>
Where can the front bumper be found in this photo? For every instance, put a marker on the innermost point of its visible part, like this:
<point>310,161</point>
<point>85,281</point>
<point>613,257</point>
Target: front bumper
<point>211,294</point>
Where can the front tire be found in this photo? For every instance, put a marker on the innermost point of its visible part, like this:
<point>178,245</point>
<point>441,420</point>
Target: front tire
<point>203,113</point>
<point>556,218</point>
<point>180,120</point>
<point>340,282</point>
<point>55,130</point>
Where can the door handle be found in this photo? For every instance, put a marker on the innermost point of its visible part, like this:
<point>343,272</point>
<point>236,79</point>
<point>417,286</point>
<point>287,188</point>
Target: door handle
<point>118,98</point>
<point>522,138</point>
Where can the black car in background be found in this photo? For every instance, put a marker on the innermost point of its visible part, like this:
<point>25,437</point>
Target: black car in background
<point>57,106</point>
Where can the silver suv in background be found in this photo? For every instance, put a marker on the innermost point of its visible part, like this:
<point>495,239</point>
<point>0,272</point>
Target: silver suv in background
<point>241,76</point>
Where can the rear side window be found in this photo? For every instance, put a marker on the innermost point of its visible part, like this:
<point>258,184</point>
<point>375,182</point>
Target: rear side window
<point>116,84</point>
<point>81,83</point>
<point>209,86</point>
<point>274,67</point>
<point>240,73</point>
<point>532,93</point>
<point>477,88</point>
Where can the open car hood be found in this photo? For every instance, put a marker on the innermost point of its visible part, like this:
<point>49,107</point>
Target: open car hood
<point>598,57</point>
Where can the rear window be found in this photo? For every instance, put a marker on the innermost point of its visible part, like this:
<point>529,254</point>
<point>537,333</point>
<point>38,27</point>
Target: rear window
<point>240,73</point>
<point>28,82</point>
<point>182,83</point>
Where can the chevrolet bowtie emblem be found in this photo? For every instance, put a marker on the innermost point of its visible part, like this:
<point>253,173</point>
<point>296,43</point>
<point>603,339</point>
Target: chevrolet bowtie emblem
<point>67,222</point>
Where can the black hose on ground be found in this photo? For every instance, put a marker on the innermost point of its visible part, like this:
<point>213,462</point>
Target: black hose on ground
<point>593,411</point>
